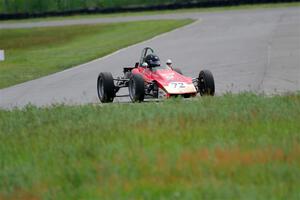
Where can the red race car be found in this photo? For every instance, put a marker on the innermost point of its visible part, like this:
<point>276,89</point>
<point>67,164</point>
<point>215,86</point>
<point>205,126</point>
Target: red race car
<point>149,79</point>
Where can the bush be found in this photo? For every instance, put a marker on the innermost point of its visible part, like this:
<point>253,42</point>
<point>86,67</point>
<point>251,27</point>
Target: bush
<point>46,6</point>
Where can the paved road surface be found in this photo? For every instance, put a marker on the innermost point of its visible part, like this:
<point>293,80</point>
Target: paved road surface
<point>254,50</point>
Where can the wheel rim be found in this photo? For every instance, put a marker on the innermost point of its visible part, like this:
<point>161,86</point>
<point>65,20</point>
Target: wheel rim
<point>101,88</point>
<point>132,90</point>
<point>202,85</point>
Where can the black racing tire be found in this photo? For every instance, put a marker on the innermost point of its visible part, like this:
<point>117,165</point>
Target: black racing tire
<point>136,88</point>
<point>106,87</point>
<point>206,83</point>
<point>178,71</point>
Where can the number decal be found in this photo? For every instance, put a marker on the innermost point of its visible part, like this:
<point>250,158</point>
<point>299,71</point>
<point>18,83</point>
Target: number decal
<point>177,85</point>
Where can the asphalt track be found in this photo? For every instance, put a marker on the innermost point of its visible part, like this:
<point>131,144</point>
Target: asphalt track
<point>247,50</point>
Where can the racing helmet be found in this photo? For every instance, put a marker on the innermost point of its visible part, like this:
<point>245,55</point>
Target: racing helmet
<point>152,60</point>
<point>169,62</point>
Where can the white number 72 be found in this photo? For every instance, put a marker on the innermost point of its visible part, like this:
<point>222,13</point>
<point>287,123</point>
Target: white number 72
<point>177,85</point>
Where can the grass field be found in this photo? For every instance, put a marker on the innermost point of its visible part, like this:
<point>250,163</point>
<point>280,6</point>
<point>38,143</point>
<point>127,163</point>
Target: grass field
<point>230,147</point>
<point>124,14</point>
<point>35,52</point>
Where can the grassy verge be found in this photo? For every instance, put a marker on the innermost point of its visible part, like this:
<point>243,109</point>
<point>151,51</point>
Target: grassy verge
<point>231,147</point>
<point>124,14</point>
<point>35,52</point>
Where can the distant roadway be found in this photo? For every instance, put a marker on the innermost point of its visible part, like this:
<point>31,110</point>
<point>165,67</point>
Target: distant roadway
<point>246,50</point>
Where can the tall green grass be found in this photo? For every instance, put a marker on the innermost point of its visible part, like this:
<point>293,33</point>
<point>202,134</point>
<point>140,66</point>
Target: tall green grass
<point>156,12</point>
<point>35,52</point>
<point>42,6</point>
<point>230,147</point>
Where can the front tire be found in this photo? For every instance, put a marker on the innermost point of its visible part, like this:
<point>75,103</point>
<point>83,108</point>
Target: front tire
<point>136,88</point>
<point>206,83</point>
<point>105,87</point>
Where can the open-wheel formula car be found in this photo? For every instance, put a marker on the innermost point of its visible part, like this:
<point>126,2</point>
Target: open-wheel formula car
<point>149,79</point>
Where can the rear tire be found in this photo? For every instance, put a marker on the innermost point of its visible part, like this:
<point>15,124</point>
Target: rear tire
<point>136,88</point>
<point>178,71</point>
<point>106,87</point>
<point>206,83</point>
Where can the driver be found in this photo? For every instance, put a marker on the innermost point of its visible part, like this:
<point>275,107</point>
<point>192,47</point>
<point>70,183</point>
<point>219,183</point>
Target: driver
<point>169,63</point>
<point>152,60</point>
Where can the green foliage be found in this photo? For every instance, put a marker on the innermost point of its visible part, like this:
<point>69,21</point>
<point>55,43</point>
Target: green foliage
<point>155,12</point>
<point>35,52</point>
<point>42,6</point>
<point>235,146</point>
